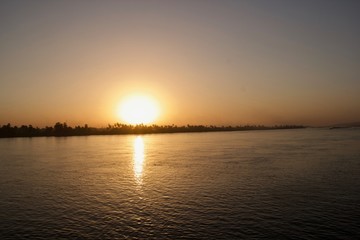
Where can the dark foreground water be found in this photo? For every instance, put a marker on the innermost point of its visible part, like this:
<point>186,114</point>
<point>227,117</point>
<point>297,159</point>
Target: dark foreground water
<point>280,184</point>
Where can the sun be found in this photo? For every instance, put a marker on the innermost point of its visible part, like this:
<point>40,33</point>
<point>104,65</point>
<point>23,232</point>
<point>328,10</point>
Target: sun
<point>138,109</point>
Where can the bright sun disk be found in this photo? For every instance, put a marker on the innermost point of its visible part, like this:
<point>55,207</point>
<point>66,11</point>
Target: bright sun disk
<point>138,110</point>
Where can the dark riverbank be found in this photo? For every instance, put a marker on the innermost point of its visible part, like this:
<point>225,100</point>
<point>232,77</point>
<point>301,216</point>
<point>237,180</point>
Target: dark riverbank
<point>62,129</point>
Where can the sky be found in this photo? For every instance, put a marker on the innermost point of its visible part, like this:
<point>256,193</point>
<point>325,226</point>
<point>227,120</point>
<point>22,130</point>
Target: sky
<point>205,62</point>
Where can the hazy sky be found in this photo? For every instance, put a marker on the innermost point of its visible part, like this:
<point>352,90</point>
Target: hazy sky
<point>206,62</point>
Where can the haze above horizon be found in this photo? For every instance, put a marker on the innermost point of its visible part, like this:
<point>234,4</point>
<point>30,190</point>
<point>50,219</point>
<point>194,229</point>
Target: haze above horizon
<point>200,62</point>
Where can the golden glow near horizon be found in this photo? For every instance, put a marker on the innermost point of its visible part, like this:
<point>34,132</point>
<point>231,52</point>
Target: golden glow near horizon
<point>139,157</point>
<point>138,109</point>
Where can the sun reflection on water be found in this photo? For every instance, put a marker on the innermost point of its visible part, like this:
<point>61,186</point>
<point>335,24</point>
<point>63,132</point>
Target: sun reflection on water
<point>139,157</point>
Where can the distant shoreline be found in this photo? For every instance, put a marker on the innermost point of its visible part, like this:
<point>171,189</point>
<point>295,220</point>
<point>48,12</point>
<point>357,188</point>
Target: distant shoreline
<point>63,130</point>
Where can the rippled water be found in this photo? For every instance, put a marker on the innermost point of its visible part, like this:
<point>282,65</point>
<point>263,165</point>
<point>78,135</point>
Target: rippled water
<point>298,184</point>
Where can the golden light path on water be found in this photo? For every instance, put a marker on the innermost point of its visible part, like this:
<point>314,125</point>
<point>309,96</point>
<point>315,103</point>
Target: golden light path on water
<point>138,157</point>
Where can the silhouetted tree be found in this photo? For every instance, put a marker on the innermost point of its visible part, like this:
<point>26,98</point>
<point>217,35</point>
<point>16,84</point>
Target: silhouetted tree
<point>62,129</point>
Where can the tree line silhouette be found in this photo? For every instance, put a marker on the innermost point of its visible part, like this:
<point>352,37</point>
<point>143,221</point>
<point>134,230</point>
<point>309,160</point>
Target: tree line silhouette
<point>62,129</point>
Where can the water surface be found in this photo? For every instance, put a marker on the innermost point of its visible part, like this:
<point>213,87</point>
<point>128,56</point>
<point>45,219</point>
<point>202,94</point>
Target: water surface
<point>283,184</point>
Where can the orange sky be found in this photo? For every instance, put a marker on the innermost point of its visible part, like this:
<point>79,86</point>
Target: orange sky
<point>205,62</point>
